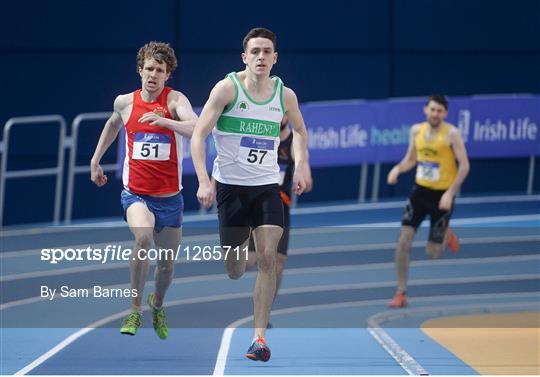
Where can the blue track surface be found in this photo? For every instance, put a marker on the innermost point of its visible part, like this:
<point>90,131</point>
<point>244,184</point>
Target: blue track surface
<point>336,279</point>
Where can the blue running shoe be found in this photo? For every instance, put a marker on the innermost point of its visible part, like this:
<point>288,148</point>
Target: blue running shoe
<point>259,350</point>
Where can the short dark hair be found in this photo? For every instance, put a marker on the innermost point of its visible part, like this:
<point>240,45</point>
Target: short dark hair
<point>260,32</point>
<point>440,99</point>
<point>160,52</point>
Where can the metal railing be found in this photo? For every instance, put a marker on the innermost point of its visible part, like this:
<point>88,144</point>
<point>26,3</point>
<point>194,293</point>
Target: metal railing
<point>362,186</point>
<point>73,168</point>
<point>58,170</point>
<point>530,179</point>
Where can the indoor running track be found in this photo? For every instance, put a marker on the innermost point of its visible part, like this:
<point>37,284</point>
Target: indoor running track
<point>329,318</point>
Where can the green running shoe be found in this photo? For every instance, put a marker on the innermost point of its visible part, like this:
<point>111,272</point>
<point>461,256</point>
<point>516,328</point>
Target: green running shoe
<point>131,323</point>
<point>158,318</point>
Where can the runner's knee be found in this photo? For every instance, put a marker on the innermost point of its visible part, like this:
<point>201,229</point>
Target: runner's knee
<point>405,239</point>
<point>267,262</point>
<point>144,239</point>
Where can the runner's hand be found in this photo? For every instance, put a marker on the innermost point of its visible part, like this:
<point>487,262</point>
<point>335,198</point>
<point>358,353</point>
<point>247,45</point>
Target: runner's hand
<point>153,119</point>
<point>393,176</point>
<point>206,194</point>
<point>97,176</point>
<point>299,183</point>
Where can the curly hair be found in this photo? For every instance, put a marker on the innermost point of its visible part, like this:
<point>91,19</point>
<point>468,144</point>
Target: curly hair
<point>160,52</point>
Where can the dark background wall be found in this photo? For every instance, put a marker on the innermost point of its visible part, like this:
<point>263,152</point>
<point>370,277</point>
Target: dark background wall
<point>69,57</point>
<point>74,56</point>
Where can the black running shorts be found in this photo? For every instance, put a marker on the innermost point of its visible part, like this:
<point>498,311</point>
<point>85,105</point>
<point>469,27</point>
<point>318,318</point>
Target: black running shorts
<point>241,208</point>
<point>424,201</point>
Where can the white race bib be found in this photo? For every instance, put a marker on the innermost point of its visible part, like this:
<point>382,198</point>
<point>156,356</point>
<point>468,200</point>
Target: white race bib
<point>428,171</point>
<point>257,152</point>
<point>151,147</point>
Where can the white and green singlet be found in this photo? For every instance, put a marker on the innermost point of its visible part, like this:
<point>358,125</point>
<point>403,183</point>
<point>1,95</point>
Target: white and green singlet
<point>247,138</point>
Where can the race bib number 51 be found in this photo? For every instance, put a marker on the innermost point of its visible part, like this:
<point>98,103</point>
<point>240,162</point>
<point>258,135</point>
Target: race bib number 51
<point>151,147</point>
<point>428,171</point>
<point>257,151</point>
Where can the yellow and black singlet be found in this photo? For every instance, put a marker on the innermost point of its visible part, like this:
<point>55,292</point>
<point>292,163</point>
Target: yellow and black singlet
<point>436,162</point>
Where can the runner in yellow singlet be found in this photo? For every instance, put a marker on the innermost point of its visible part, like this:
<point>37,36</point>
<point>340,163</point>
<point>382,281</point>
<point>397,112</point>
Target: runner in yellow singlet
<point>434,148</point>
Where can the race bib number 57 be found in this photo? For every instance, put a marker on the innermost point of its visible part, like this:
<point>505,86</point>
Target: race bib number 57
<point>151,147</point>
<point>255,151</point>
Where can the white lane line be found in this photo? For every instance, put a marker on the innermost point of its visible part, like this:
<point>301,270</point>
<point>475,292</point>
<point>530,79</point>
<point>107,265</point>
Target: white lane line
<point>225,344</point>
<point>400,204</point>
<point>228,333</point>
<point>327,269</point>
<point>389,246</point>
<point>454,222</point>
<point>407,362</point>
<point>402,357</point>
<point>66,342</point>
<point>230,296</point>
<point>126,244</point>
<point>294,232</point>
<point>70,339</point>
<point>295,211</point>
<point>414,264</point>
